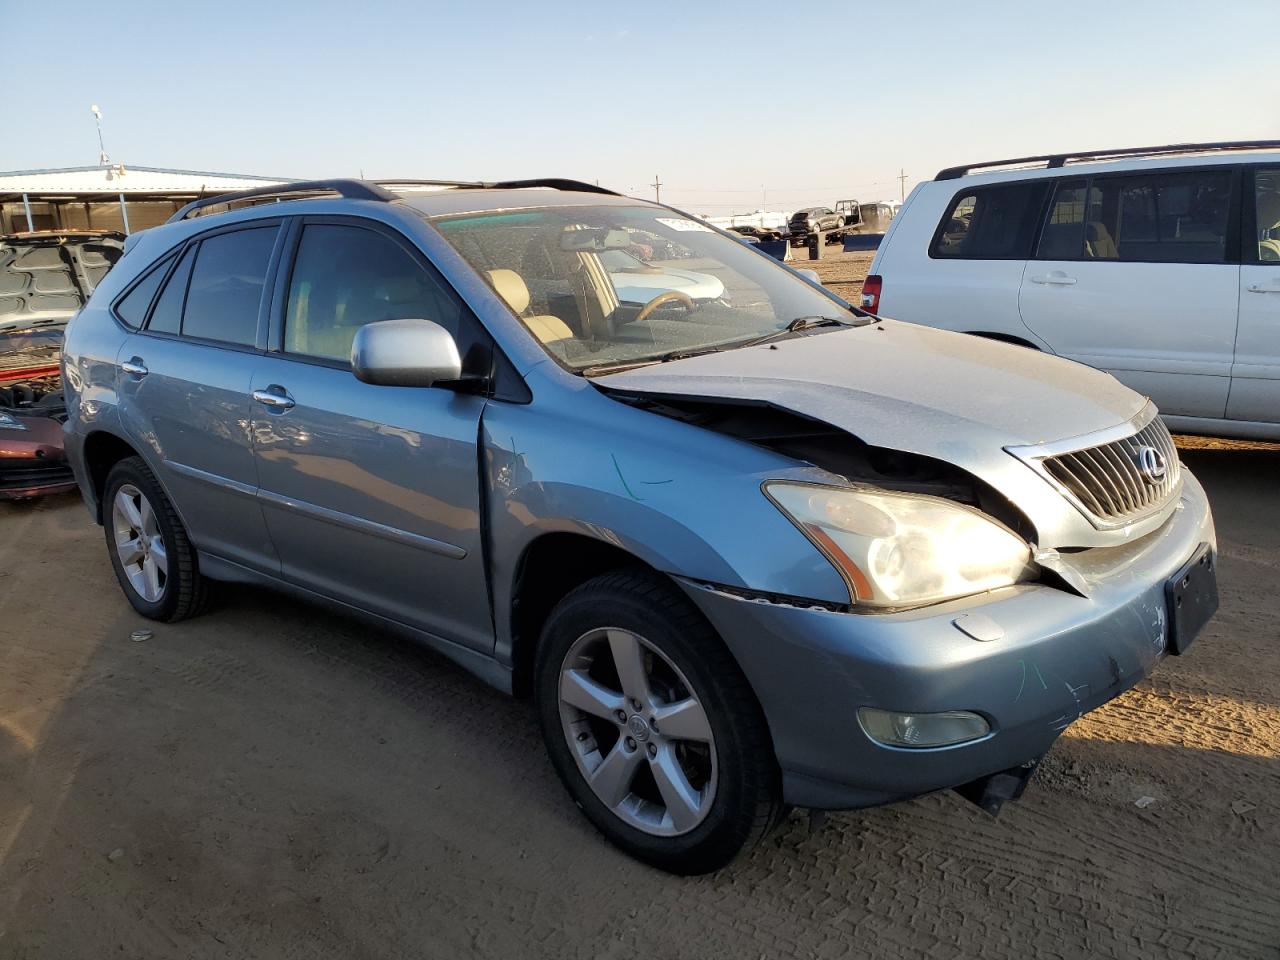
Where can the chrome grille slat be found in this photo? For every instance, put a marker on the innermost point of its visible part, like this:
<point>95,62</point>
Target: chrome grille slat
<point>1105,479</point>
<point>1061,471</point>
<point>1135,496</point>
<point>1102,477</point>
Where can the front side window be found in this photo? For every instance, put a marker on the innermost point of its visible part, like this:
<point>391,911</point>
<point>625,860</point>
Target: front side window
<point>346,276</point>
<point>1155,218</point>
<point>989,223</point>
<point>606,285</point>
<point>225,292</point>
<point>1266,205</point>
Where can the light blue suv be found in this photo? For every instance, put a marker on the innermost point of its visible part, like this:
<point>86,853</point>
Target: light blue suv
<point>745,546</point>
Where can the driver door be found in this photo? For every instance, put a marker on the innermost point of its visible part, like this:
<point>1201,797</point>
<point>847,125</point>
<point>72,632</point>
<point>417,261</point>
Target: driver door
<point>371,493</point>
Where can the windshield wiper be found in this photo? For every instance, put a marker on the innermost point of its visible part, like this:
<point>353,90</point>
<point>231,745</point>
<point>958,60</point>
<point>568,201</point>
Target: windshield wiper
<point>621,365</point>
<point>795,326</point>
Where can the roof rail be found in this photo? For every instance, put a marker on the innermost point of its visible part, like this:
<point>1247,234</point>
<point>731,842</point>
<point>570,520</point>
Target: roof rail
<point>553,183</point>
<point>351,189</point>
<point>377,190</point>
<point>1051,160</point>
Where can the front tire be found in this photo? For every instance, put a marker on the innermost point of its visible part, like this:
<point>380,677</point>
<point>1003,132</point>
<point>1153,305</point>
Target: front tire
<point>652,727</point>
<point>150,552</point>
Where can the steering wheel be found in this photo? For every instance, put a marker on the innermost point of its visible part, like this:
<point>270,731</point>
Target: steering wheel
<point>667,296</point>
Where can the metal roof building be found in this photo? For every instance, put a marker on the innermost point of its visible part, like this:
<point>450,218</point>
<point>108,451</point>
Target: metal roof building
<point>111,197</point>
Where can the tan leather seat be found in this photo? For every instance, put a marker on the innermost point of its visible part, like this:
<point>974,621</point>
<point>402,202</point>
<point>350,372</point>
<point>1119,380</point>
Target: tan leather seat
<point>1098,242</point>
<point>511,288</point>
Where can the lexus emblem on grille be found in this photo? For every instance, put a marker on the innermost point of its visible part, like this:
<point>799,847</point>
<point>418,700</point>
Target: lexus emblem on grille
<point>1151,463</point>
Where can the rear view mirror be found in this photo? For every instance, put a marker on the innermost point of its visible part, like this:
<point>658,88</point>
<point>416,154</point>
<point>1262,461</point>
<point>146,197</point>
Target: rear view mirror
<point>594,240</point>
<point>405,353</point>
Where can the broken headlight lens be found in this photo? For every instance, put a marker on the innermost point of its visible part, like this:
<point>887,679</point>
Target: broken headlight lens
<point>904,549</point>
<point>9,422</point>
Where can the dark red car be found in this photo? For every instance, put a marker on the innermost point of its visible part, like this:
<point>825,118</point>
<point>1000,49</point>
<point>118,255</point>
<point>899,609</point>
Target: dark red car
<point>44,279</point>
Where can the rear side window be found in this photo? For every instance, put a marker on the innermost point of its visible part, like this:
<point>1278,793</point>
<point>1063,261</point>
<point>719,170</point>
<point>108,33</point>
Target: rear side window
<point>990,223</point>
<point>1266,206</point>
<point>226,285</point>
<point>1153,218</point>
<point>1063,235</point>
<point>167,315</point>
<point>132,308</point>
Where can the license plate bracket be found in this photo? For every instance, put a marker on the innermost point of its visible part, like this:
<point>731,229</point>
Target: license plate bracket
<point>1191,596</point>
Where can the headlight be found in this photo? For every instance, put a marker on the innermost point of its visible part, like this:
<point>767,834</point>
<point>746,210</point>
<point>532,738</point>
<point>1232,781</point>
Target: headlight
<point>904,549</point>
<point>9,422</point>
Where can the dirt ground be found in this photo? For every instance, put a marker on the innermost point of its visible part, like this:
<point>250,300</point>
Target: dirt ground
<point>271,780</point>
<point>842,272</point>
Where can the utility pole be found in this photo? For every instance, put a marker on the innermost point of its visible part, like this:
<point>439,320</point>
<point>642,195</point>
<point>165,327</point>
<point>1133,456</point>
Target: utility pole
<point>902,184</point>
<point>102,150</point>
<point>657,189</point>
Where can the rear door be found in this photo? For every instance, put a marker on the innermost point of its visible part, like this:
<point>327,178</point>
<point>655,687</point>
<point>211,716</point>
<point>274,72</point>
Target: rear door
<point>976,244</point>
<point>371,493</point>
<point>1255,378</point>
<point>1138,274</point>
<point>184,385</point>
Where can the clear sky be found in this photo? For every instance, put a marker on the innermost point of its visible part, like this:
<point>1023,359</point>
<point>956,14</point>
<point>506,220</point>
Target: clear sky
<point>813,102</point>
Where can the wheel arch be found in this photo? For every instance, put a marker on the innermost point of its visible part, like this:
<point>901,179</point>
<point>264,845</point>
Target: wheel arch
<point>550,566</point>
<point>102,450</point>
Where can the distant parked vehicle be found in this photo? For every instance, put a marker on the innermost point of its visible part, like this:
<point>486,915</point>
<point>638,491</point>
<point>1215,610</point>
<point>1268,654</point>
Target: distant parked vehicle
<point>45,277</point>
<point>1160,265</point>
<point>756,234</point>
<point>875,217</point>
<point>812,220</point>
<point>850,212</point>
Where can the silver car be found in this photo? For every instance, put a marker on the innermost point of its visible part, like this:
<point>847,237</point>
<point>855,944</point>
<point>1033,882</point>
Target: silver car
<point>744,552</point>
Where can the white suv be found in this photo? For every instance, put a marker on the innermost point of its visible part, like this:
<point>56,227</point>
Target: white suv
<point>1160,265</point>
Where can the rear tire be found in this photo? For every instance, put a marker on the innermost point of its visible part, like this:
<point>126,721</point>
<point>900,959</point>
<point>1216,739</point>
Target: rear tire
<point>699,736</point>
<point>152,557</point>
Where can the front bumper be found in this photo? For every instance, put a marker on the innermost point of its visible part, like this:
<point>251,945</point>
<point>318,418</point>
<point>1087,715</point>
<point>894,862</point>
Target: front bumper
<point>1060,656</point>
<point>32,461</point>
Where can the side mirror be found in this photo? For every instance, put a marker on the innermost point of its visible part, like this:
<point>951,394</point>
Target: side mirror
<point>405,353</point>
<point>810,275</point>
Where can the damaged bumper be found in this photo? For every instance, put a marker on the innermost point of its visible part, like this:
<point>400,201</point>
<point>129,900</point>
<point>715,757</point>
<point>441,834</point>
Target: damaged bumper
<point>32,460</point>
<point>1046,657</point>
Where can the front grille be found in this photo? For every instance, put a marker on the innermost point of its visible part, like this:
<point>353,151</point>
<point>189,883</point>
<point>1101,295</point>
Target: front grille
<point>1109,482</point>
<point>21,474</point>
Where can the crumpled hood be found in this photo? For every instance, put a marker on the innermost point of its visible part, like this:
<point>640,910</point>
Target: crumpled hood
<point>951,396</point>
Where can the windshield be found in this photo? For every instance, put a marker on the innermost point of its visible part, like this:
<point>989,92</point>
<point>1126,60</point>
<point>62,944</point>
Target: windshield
<point>606,285</point>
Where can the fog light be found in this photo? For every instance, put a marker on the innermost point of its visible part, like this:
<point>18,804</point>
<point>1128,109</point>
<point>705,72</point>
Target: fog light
<point>921,729</point>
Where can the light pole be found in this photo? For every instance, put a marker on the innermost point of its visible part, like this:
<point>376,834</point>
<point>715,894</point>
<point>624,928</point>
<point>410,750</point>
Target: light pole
<point>103,159</point>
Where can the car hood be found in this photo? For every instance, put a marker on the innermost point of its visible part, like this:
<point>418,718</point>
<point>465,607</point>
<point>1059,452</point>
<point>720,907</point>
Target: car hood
<point>954,397</point>
<point>641,286</point>
<point>50,275</point>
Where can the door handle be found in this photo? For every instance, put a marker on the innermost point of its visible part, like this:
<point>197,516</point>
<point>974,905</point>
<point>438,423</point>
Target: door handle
<point>274,396</point>
<point>1272,287</point>
<point>134,367</point>
<point>1060,279</point>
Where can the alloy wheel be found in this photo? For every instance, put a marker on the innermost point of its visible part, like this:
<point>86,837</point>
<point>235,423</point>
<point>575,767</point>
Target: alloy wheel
<point>639,733</point>
<point>139,543</point>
